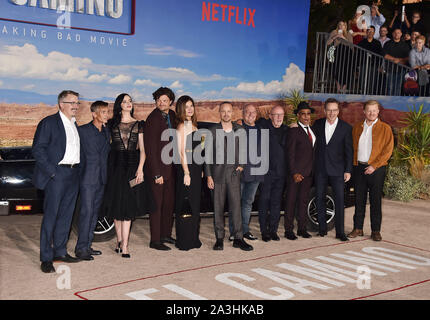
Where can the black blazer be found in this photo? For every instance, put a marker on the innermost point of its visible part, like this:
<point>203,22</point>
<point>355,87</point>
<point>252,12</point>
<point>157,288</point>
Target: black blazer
<point>334,158</point>
<point>300,155</point>
<point>49,146</point>
<point>217,171</point>
<point>94,154</point>
<point>277,147</point>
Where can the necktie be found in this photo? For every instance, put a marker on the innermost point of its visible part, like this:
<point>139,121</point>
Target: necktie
<point>309,134</point>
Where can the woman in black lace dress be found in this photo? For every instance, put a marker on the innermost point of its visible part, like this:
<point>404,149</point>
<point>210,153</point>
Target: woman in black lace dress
<point>122,202</point>
<point>188,177</point>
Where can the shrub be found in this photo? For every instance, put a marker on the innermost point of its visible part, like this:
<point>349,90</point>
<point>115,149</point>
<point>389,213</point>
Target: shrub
<point>400,185</point>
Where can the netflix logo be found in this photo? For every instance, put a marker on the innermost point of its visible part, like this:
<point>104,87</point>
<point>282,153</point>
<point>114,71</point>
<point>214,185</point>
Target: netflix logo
<point>223,12</point>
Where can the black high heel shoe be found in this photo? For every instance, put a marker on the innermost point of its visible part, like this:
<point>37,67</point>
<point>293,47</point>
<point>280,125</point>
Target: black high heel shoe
<point>125,255</point>
<point>118,248</point>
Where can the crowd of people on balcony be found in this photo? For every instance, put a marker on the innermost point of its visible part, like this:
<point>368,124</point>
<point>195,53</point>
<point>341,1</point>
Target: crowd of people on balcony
<point>402,42</point>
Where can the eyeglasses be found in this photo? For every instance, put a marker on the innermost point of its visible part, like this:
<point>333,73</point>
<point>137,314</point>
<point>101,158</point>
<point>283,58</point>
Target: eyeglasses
<point>71,103</point>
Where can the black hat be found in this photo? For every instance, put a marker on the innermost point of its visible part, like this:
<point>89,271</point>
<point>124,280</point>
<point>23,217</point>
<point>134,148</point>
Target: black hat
<point>303,105</point>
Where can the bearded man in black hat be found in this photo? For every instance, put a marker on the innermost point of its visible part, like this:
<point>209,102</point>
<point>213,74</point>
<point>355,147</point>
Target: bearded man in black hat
<point>300,159</point>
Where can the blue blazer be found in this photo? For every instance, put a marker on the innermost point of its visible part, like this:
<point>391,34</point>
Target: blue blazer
<point>49,146</point>
<point>95,148</point>
<point>334,158</point>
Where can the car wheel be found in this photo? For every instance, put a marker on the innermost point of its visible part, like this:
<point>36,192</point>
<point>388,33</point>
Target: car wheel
<point>312,212</point>
<point>105,228</point>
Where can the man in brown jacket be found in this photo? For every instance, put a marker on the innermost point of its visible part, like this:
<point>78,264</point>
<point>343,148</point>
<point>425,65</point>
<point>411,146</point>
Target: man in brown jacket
<point>159,173</point>
<point>373,145</point>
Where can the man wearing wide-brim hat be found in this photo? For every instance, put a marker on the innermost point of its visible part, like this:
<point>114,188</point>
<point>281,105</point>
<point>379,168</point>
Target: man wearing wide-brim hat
<point>300,157</point>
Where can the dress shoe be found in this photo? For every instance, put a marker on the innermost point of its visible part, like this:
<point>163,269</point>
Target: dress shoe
<point>250,236</point>
<point>168,240</point>
<point>376,236</point>
<point>118,248</point>
<point>158,246</point>
<point>94,252</point>
<point>219,245</point>
<point>84,256</point>
<point>67,258</point>
<point>274,236</point>
<point>322,233</point>
<point>356,232</point>
<point>242,245</point>
<point>290,235</point>
<point>266,237</point>
<point>47,267</point>
<point>304,234</point>
<point>342,237</point>
<point>125,255</point>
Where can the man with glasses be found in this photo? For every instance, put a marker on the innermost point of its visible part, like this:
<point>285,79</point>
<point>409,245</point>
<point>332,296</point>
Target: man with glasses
<point>56,149</point>
<point>269,208</point>
<point>333,164</point>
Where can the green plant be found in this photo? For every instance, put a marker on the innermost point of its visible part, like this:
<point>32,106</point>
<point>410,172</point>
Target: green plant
<point>293,98</point>
<point>413,146</point>
<point>400,185</point>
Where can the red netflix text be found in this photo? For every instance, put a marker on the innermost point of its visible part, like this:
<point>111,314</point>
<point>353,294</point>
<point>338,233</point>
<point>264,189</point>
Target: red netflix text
<point>223,12</point>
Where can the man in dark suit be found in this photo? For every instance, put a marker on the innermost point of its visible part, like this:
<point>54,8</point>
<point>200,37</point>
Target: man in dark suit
<point>333,164</point>
<point>93,176</point>
<point>56,149</point>
<point>159,172</point>
<point>269,207</point>
<point>300,157</point>
<point>223,174</point>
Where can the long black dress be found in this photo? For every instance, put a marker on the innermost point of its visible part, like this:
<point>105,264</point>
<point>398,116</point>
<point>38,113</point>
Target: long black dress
<point>122,202</point>
<point>187,200</point>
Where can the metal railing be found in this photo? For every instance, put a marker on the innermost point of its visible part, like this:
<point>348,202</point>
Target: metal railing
<point>342,67</point>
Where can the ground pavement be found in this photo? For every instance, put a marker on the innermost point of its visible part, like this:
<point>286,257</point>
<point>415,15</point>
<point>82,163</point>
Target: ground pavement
<point>306,269</point>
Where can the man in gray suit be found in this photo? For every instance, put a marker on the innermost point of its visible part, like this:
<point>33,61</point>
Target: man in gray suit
<point>223,171</point>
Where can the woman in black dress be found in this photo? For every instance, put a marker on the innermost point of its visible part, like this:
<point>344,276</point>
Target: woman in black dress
<point>188,178</point>
<point>122,202</point>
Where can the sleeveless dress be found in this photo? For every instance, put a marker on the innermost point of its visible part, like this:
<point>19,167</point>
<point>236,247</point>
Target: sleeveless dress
<point>120,201</point>
<point>187,200</point>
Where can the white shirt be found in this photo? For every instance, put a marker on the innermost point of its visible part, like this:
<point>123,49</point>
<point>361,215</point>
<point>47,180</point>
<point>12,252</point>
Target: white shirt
<point>329,129</point>
<point>72,153</point>
<point>310,130</point>
<point>365,142</point>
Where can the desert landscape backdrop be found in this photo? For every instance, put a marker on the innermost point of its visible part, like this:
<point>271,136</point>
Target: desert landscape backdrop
<point>18,122</point>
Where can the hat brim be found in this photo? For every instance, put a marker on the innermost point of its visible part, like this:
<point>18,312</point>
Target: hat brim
<point>297,110</point>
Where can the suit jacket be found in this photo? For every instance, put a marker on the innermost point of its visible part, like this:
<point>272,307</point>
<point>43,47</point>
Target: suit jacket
<point>382,143</point>
<point>49,146</point>
<point>94,154</point>
<point>334,158</point>
<point>277,147</point>
<point>154,126</point>
<point>300,155</point>
<point>217,171</point>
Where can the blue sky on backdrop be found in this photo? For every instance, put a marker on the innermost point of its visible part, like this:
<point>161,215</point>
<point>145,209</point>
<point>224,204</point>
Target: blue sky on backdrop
<point>172,46</point>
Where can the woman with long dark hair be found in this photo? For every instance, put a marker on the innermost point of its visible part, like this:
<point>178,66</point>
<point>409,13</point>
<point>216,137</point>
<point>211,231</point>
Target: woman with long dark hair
<point>188,177</point>
<point>125,196</point>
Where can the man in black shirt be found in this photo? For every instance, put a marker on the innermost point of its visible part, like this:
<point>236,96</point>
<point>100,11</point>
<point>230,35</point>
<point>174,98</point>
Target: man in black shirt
<point>396,52</point>
<point>369,75</point>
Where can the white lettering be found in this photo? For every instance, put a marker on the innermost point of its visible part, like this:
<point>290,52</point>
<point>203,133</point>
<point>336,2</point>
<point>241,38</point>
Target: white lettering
<point>376,250</point>
<point>225,278</point>
<point>183,292</point>
<point>142,294</point>
<point>298,284</point>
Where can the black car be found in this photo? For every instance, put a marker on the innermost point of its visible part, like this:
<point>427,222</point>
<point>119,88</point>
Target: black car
<point>19,196</point>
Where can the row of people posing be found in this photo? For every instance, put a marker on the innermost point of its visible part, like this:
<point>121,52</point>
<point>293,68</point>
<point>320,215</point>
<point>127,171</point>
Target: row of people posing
<point>112,158</point>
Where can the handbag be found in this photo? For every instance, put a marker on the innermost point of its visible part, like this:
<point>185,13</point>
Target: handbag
<point>184,221</point>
